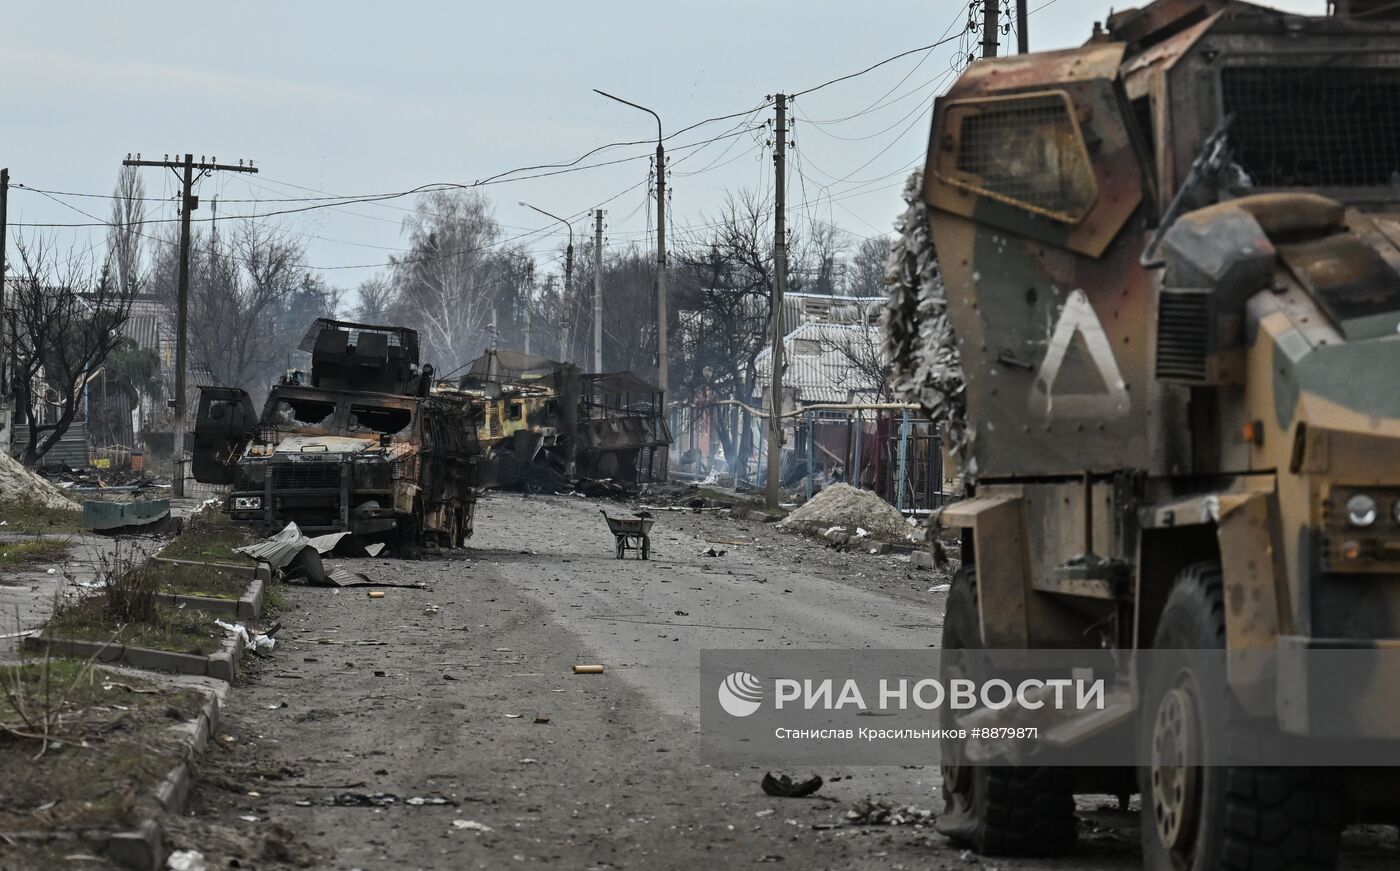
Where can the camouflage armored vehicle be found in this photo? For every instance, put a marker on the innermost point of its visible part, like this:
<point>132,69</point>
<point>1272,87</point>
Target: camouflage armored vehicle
<point>361,448</point>
<point>1170,264</point>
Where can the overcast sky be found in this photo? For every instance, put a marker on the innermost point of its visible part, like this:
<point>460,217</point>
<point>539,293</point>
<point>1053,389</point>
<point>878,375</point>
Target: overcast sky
<point>368,97</point>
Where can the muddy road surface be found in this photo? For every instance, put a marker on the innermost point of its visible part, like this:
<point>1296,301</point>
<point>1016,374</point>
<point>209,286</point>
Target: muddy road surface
<point>458,701</point>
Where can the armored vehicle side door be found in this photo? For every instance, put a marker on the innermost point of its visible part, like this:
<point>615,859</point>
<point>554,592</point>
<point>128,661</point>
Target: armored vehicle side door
<point>223,427</point>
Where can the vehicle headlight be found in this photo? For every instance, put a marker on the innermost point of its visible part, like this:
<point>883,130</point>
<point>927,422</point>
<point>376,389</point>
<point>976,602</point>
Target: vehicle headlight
<point>1361,510</point>
<point>247,503</point>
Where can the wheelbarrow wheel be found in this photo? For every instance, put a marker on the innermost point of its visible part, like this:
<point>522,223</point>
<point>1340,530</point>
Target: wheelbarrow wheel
<point>646,547</point>
<point>621,547</point>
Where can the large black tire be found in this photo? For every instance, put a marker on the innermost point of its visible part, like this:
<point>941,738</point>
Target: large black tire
<point>999,810</point>
<point>1219,817</point>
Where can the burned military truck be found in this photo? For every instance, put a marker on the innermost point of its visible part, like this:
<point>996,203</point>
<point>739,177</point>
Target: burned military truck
<point>545,424</point>
<point>359,445</point>
<point>1170,260</point>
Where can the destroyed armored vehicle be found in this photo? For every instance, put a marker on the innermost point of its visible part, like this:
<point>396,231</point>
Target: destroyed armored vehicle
<point>362,447</point>
<point>1170,260</point>
<point>545,424</point>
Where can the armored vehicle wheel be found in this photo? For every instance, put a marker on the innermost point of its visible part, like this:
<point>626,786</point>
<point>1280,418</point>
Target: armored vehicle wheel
<point>998,810</point>
<point>1209,817</point>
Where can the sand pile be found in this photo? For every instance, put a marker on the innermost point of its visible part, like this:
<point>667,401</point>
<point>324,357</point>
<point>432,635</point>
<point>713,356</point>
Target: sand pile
<point>19,484</point>
<point>846,506</point>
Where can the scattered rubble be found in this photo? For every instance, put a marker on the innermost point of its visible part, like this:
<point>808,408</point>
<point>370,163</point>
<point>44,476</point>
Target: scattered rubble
<point>842,507</point>
<point>882,812</point>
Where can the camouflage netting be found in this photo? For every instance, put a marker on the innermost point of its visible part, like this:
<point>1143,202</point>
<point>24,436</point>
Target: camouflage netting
<point>919,339</point>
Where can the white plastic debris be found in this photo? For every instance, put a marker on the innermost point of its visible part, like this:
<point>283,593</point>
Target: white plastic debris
<point>186,860</point>
<point>254,641</point>
<point>471,825</point>
<point>861,533</point>
<point>940,588</point>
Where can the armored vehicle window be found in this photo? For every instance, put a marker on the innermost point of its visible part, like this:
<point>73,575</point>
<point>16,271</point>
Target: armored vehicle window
<point>378,418</point>
<point>1026,151</point>
<point>302,412</point>
<point>1320,126</point>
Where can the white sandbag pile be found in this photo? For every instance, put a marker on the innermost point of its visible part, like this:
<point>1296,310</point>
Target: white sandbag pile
<point>19,484</point>
<point>842,505</point>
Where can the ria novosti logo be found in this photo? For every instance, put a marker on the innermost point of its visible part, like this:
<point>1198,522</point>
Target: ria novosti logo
<point>740,694</point>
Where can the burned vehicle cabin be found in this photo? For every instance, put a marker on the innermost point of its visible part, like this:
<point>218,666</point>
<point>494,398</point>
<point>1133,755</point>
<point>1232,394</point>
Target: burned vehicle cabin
<point>361,448</point>
<point>545,423</point>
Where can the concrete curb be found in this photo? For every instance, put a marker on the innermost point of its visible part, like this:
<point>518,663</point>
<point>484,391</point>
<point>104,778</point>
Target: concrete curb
<point>249,606</point>
<point>221,665</point>
<point>143,847</point>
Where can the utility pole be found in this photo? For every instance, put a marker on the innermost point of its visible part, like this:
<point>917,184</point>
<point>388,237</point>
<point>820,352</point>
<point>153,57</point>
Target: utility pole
<point>662,352</point>
<point>990,8</point>
<point>775,402</point>
<point>1023,35</point>
<point>188,203</point>
<point>598,290</point>
<point>529,300</point>
<point>662,366</point>
<point>4,313</point>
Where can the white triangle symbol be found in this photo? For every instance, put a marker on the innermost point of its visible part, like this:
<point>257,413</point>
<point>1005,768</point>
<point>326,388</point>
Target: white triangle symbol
<point>1078,316</point>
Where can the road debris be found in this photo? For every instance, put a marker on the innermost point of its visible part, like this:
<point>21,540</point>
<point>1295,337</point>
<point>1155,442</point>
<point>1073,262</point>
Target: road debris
<point>256,642</point>
<point>713,552</point>
<point>471,826</point>
<point>374,594</point>
<point>784,786</point>
<point>588,669</point>
<point>870,812</point>
<point>185,860</point>
<point>541,719</point>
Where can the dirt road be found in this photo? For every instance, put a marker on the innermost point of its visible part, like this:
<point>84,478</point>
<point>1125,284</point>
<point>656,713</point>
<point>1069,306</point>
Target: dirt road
<point>463,692</point>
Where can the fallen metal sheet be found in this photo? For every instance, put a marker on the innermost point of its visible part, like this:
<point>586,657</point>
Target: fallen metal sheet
<point>342,577</point>
<point>108,516</point>
<point>330,541</point>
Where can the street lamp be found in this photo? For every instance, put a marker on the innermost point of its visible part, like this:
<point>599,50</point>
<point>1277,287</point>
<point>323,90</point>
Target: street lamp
<point>568,253</point>
<point>661,350</point>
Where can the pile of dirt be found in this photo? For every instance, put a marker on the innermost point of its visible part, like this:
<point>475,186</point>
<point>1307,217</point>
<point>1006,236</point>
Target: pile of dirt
<point>24,485</point>
<point>850,508</point>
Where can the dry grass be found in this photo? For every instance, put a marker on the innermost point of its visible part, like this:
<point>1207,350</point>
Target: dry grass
<point>31,517</point>
<point>18,555</point>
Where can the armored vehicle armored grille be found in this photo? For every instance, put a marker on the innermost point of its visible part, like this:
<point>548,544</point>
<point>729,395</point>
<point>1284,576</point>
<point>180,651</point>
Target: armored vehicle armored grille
<point>305,476</point>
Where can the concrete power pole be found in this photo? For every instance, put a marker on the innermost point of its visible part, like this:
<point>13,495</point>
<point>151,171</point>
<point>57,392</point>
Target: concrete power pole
<point>1023,34</point>
<point>598,290</point>
<point>4,313</point>
<point>775,403</point>
<point>188,203</point>
<point>662,360</point>
<point>990,8</point>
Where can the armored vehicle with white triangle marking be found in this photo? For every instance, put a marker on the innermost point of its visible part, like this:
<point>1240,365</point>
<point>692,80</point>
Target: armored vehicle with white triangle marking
<point>1169,262</point>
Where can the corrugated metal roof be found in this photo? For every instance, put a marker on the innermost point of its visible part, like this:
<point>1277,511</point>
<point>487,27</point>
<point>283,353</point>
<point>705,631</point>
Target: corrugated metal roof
<point>819,362</point>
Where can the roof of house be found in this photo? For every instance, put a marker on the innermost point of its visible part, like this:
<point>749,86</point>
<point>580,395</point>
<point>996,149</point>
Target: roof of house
<point>819,362</point>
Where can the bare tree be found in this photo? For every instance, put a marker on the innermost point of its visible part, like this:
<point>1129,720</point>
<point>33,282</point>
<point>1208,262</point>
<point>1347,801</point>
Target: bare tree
<point>447,280</point>
<point>65,322</point>
<point>723,300</point>
<point>865,272</point>
<point>376,300</point>
<point>860,348</point>
<point>242,286</point>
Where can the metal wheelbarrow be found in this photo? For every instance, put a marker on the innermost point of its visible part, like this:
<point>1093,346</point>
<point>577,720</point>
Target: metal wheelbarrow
<point>632,533</point>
